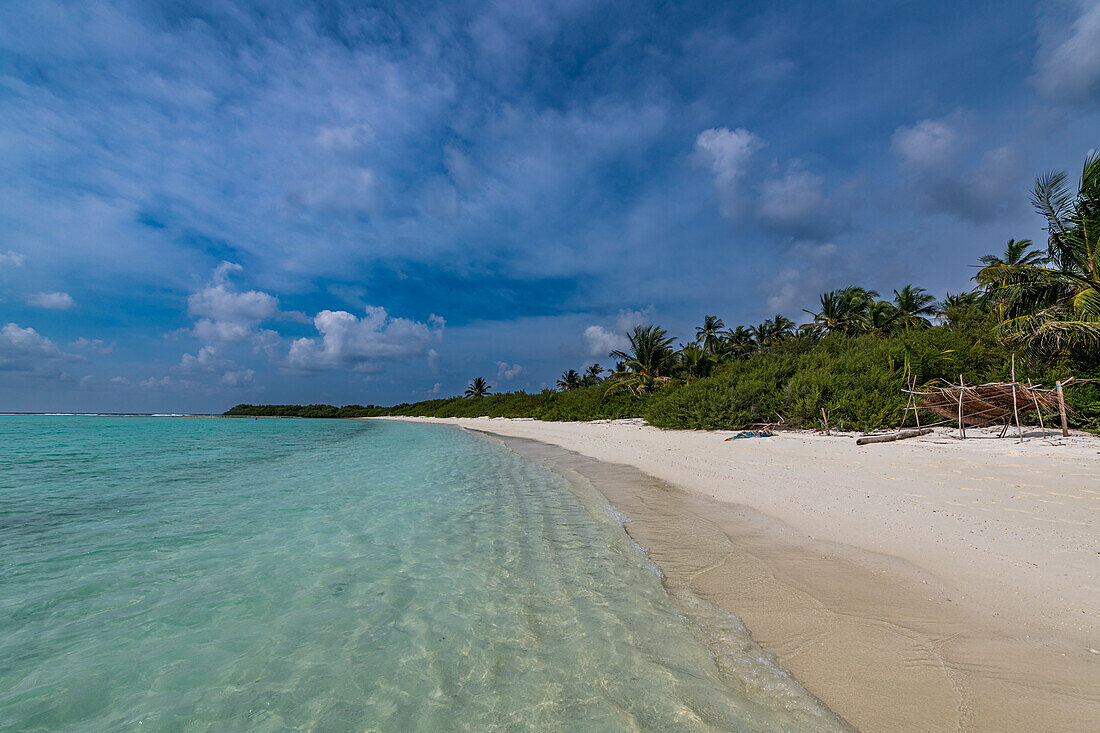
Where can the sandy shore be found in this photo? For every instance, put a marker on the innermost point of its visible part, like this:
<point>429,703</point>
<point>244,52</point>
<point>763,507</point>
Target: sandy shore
<point>927,584</point>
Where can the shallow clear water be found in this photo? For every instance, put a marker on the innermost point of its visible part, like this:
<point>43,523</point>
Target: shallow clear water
<point>215,574</point>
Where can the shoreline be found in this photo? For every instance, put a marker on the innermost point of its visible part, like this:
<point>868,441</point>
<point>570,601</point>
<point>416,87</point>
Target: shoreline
<point>908,586</point>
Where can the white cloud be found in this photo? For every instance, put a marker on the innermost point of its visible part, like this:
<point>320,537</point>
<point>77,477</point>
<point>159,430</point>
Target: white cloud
<point>25,350</point>
<point>350,342</point>
<point>345,138</point>
<point>237,378</point>
<point>509,372</point>
<point>1067,65</point>
<point>792,200</point>
<point>11,259</point>
<point>728,152</point>
<point>95,346</point>
<point>602,341</point>
<point>119,380</point>
<point>225,315</point>
<point>940,163</point>
<point>52,301</point>
<point>928,144</point>
<point>205,360</point>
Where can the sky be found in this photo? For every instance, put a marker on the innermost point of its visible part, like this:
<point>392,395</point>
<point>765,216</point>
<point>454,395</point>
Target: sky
<point>208,203</point>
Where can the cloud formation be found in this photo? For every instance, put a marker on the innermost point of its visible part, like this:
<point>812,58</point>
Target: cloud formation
<point>225,315</point>
<point>25,350</point>
<point>363,343</point>
<point>1067,65</point>
<point>52,301</point>
<point>601,341</point>
<point>794,204</point>
<point>937,157</point>
<point>510,372</point>
<point>12,259</point>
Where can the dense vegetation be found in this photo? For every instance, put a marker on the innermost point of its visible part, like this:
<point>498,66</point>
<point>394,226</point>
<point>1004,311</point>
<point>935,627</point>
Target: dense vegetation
<point>245,410</point>
<point>853,358</point>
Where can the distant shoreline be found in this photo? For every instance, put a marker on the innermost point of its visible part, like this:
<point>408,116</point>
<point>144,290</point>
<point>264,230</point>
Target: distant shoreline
<point>902,584</point>
<point>146,414</point>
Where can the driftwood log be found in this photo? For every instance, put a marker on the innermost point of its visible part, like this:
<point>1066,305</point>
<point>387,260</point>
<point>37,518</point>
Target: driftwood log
<point>891,437</point>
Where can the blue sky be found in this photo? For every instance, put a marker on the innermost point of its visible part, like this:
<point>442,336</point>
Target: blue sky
<point>209,203</point>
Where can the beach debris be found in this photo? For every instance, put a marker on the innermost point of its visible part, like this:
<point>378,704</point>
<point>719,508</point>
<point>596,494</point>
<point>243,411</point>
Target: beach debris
<point>891,437</point>
<point>751,434</point>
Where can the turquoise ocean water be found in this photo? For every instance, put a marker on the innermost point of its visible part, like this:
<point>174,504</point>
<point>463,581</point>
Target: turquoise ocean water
<point>214,574</point>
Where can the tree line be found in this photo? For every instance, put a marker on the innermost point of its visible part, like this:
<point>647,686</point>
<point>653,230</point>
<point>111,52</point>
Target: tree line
<point>1041,303</point>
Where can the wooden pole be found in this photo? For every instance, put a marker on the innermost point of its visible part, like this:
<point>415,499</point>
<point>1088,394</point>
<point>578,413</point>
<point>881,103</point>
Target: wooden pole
<point>913,391</point>
<point>1016,412</point>
<point>962,428</point>
<point>825,420</point>
<point>1037,410</point>
<point>891,437</point>
<point>1062,410</point>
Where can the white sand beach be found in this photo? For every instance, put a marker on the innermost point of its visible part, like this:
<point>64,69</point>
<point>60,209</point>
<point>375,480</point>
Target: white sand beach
<point>927,584</point>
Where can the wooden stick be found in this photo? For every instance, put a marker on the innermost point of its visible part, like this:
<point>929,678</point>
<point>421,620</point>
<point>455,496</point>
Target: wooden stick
<point>1062,410</point>
<point>915,406</point>
<point>1037,410</point>
<point>891,437</point>
<point>825,419</point>
<point>1014,410</point>
<point>962,428</point>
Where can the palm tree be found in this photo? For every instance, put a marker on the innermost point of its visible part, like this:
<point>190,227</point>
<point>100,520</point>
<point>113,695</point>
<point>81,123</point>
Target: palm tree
<point>1053,304</point>
<point>881,317</point>
<point>954,307</point>
<point>772,332</point>
<point>1017,252</point>
<point>478,388</point>
<point>914,305</point>
<point>737,342</point>
<point>843,311</point>
<point>592,375</point>
<point>709,335</point>
<point>649,362</point>
<point>695,361</point>
<point>1010,269</point>
<point>570,380</point>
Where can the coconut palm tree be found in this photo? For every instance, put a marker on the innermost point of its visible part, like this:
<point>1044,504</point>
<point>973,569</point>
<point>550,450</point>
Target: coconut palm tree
<point>737,343</point>
<point>772,332</point>
<point>881,317</point>
<point>709,335</point>
<point>1017,252</point>
<point>478,388</point>
<point>843,311</point>
<point>1009,269</point>
<point>695,361</point>
<point>914,305</point>
<point>954,307</point>
<point>570,380</point>
<point>592,375</point>
<point>1052,305</point>
<point>649,362</point>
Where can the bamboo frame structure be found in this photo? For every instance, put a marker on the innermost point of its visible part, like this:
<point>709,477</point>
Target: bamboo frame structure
<point>982,405</point>
<point>993,403</point>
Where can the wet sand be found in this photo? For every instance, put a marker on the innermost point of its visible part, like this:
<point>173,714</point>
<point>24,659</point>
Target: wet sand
<point>923,585</point>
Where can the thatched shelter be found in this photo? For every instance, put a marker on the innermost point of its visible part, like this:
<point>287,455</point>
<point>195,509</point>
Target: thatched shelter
<point>980,405</point>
